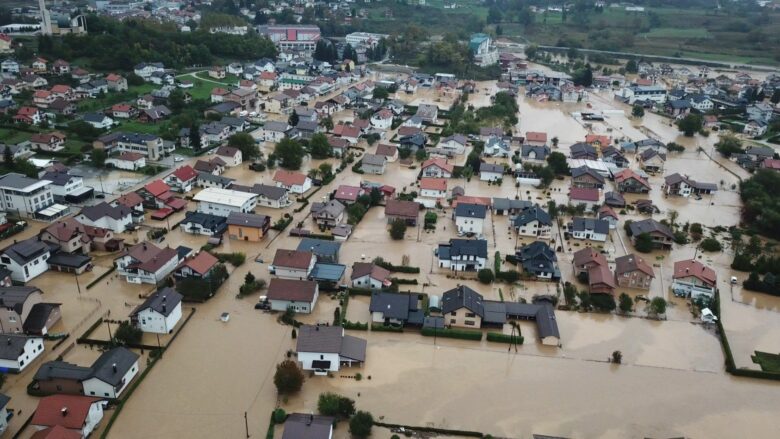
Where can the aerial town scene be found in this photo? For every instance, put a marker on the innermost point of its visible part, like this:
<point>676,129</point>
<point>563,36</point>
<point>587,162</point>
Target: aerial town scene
<point>389,219</point>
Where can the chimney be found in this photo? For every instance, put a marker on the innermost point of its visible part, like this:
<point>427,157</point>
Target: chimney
<point>164,308</point>
<point>113,366</point>
<point>9,341</point>
<point>144,246</point>
<point>64,411</point>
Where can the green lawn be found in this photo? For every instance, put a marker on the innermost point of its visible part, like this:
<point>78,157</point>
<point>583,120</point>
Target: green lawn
<point>228,80</point>
<point>768,362</point>
<point>138,127</point>
<point>668,32</point>
<point>112,98</point>
<point>11,136</point>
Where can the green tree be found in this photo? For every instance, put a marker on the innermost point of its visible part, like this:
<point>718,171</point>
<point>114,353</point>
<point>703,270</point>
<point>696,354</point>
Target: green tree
<point>360,424</point>
<point>246,144</point>
<point>195,142</point>
<point>674,147</point>
<point>380,93</point>
<point>486,276</point>
<point>294,119</point>
<point>570,294</point>
<point>375,196</point>
<point>288,377</point>
<point>327,123</point>
<point>398,229</point>
<point>557,162</point>
<point>319,147</point>
<point>8,157</point>
<point>289,153</point>
<point>638,111</point>
<point>98,158</point>
<point>728,144</point>
<point>658,305</point>
<point>690,124</point>
<point>643,243</point>
<point>586,300</point>
<point>711,245</point>
<point>631,66</point>
<point>603,302</point>
<point>128,334</point>
<point>421,155</point>
<point>331,404</point>
<point>626,302</point>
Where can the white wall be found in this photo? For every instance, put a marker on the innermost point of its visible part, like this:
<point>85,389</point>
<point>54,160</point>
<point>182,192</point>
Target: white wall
<point>94,416</point>
<point>306,359</point>
<point>156,323</point>
<point>225,209</point>
<point>33,348</point>
<point>469,224</point>
<point>35,268</point>
<point>366,282</point>
<point>96,387</point>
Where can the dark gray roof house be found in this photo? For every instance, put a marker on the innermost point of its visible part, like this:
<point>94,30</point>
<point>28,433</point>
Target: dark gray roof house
<point>330,339</point>
<point>470,210</point>
<point>12,346</point>
<point>583,150</point>
<point>198,221</point>
<point>581,224</point>
<point>325,251</point>
<point>308,426</point>
<point>463,247</point>
<point>507,205</point>
<point>53,370</point>
<point>112,365</point>
<point>462,297</point>
<point>534,152</point>
<point>539,259</point>
<point>209,179</point>
<point>397,306</point>
<point>162,302</point>
<point>248,219</point>
<point>614,199</point>
<point>25,251</point>
<point>490,167</point>
<point>650,226</point>
<point>531,214</point>
<point>104,209</point>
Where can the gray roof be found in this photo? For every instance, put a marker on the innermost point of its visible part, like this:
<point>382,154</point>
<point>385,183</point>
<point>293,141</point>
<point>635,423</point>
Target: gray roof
<point>495,312</point>
<point>534,213</point>
<point>275,125</point>
<point>507,203</point>
<point>333,208</point>
<point>38,317</point>
<point>324,272</point>
<point>538,257</point>
<point>489,167</point>
<point>57,178</point>
<point>247,219</point>
<point>163,302</point>
<point>52,370</point>
<point>471,210</point>
<point>649,226</point>
<point>207,176</point>
<point>393,305</point>
<point>581,224</point>
<point>614,199</point>
<point>103,367</point>
<point>94,117</point>
<point>374,159</point>
<point>307,426</point>
<point>16,181</point>
<point>25,251</point>
<point>464,247</point>
<point>584,170</point>
<point>263,190</point>
<point>330,339</point>
<point>582,149</point>
<point>319,247</point>
<point>4,399</point>
<point>15,296</point>
<point>215,223</point>
<point>12,346</point>
<point>462,297</point>
<point>104,209</point>
<point>541,151</point>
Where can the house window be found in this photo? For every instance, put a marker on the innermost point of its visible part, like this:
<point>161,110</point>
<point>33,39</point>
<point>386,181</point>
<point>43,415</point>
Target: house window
<point>452,321</point>
<point>469,323</point>
<point>12,319</point>
<point>105,394</point>
<point>454,313</point>
<point>470,315</point>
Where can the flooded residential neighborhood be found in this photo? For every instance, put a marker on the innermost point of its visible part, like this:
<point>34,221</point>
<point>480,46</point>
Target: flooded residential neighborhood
<point>443,256</point>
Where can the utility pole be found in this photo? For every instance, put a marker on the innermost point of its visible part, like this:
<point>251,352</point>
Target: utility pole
<point>246,425</point>
<point>159,347</point>
<point>77,282</point>
<point>108,324</point>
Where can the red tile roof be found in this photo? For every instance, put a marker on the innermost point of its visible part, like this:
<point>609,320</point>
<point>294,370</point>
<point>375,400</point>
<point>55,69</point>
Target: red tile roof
<point>50,411</point>
<point>60,88</point>
<point>130,199</point>
<point>627,174</point>
<point>289,178</point>
<point>692,267</point>
<point>436,184</point>
<point>185,173</point>
<point>292,258</point>
<point>56,432</point>
<point>292,290</point>
<point>441,163</point>
<point>535,136</point>
<point>584,193</point>
<point>157,188</point>
<point>408,209</point>
<point>346,192</point>
<point>131,156</point>
<point>201,263</point>
<point>596,138</point>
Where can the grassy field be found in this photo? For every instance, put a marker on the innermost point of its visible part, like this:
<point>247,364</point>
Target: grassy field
<point>201,89</point>
<point>13,137</point>
<point>138,127</point>
<point>768,362</point>
<point>673,33</point>
<point>110,99</point>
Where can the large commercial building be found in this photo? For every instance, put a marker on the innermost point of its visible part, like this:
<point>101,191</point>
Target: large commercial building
<point>292,38</point>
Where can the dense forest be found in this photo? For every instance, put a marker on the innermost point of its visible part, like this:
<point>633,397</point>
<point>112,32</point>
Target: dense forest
<point>114,45</point>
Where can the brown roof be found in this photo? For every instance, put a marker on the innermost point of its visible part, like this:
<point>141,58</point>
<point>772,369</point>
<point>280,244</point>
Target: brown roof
<point>292,258</point>
<point>601,274</point>
<point>227,151</point>
<point>629,263</point>
<point>408,131</point>
<point>360,269</point>
<point>292,290</point>
<point>386,150</point>
<point>589,256</point>
<point>441,163</point>
<point>628,174</point>
<point>130,199</point>
<point>691,267</point>
<point>437,184</point>
<point>50,411</point>
<point>346,192</point>
<point>289,178</point>
<point>535,136</point>
<point>56,432</point>
<point>408,209</point>
<point>157,261</point>
<point>584,193</point>
<point>201,263</point>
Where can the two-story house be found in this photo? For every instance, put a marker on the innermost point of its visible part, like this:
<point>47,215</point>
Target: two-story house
<point>293,264</point>
<point>534,222</point>
<point>470,218</point>
<point>146,263</point>
<point>463,254</point>
<point>160,312</point>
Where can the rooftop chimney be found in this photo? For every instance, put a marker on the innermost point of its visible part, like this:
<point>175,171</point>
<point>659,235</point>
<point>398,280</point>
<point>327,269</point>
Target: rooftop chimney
<point>64,411</point>
<point>113,366</point>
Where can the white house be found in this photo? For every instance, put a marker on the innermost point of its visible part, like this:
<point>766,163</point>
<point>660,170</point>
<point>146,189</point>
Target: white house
<point>231,156</point>
<point>293,264</point>
<point>437,167</point>
<point>455,144</point>
<point>159,313</point>
<point>589,229</point>
<point>115,218</point>
<point>67,187</point>
<point>490,172</point>
<point>463,254</point>
<point>272,131</point>
<point>146,263</point>
<point>221,202</point>
<point>24,196</point>
<point>67,416</point>
<point>470,218</point>
<point>324,349</point>
<point>433,187</point>
<point>18,351</point>
<point>369,275</point>
<point>693,279</point>
<point>111,373</point>
<point>145,70</point>
<point>635,93</point>
<point>294,182</point>
<point>533,222</point>
<point>382,119</point>
<point>267,195</point>
<point>25,259</point>
<point>98,120</point>
<point>298,295</point>
<point>128,161</point>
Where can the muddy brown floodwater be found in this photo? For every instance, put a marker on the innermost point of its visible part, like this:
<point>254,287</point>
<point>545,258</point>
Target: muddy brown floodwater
<point>672,382</point>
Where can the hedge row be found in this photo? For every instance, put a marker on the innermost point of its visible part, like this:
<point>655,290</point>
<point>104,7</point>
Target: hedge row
<point>99,278</point>
<point>359,291</point>
<point>346,324</point>
<point>503,338</point>
<point>323,237</point>
<point>386,328</point>
<point>398,268</point>
<point>452,333</point>
<point>398,281</point>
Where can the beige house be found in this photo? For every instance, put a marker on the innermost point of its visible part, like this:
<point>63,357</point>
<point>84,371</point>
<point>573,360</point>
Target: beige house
<point>462,307</point>
<point>631,271</point>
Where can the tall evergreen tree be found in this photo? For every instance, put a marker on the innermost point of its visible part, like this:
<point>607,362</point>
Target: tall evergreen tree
<point>195,137</point>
